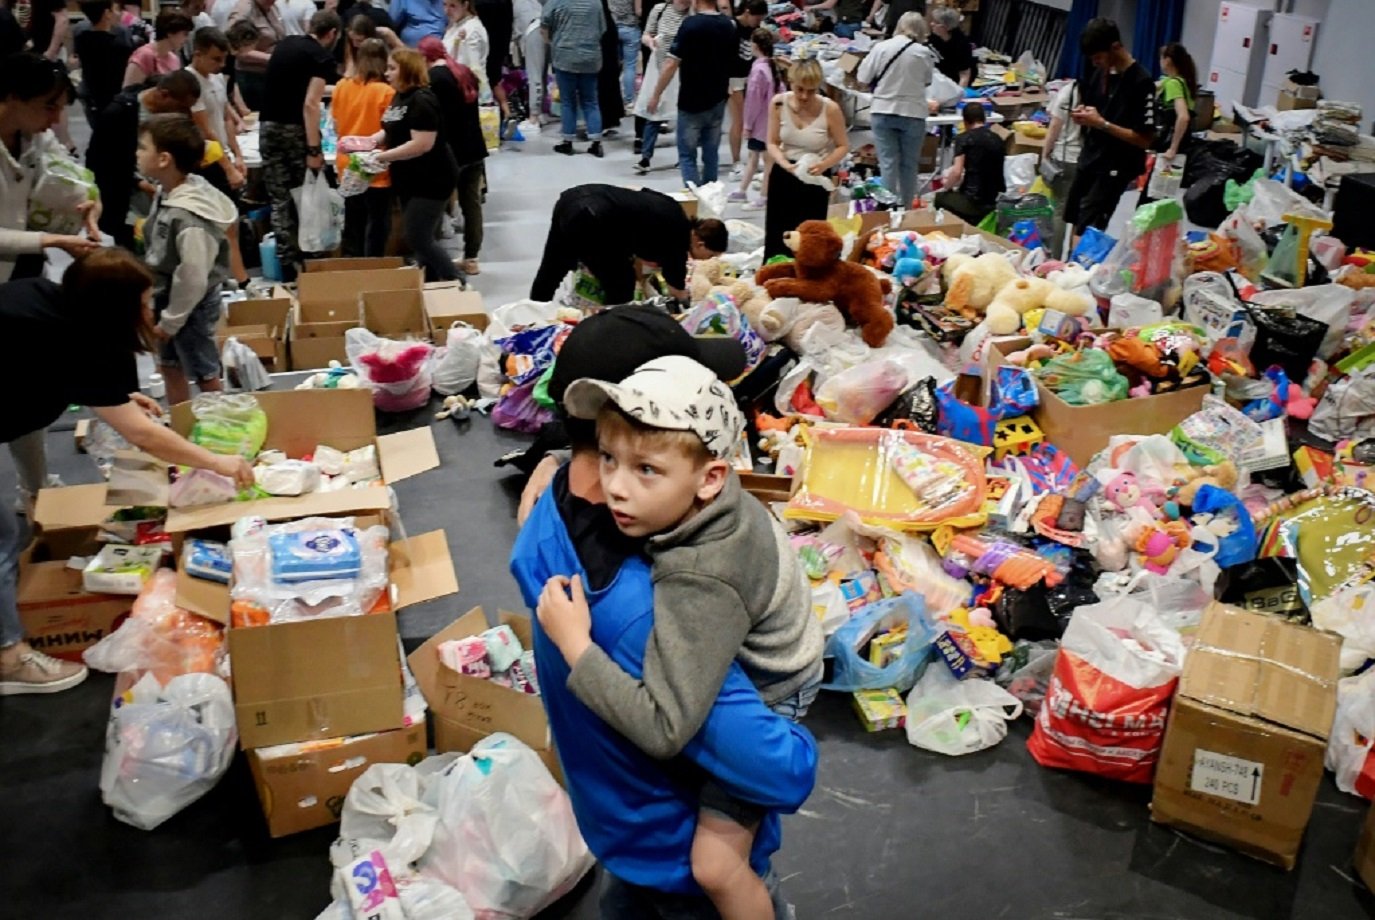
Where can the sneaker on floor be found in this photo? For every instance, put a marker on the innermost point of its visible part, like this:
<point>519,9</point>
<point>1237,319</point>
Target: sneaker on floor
<point>596,149</point>
<point>737,172</point>
<point>611,132</point>
<point>642,168</point>
<point>34,672</point>
<point>736,196</point>
<point>757,204</point>
<point>565,148</point>
<point>470,267</point>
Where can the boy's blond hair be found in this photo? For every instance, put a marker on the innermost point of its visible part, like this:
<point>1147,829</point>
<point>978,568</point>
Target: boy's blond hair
<point>613,422</point>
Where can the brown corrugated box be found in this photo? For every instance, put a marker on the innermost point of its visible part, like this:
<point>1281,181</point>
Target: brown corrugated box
<point>1082,431</point>
<point>262,325</point>
<point>396,314</point>
<point>306,790</point>
<point>467,709</point>
<point>1243,751</point>
<point>447,303</point>
<point>328,304</point>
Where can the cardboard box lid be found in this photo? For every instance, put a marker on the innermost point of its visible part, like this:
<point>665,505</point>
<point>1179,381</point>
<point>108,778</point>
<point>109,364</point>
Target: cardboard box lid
<point>347,265</point>
<point>274,312</point>
<point>71,508</point>
<point>407,453</point>
<point>1258,665</point>
<point>325,504</point>
<point>319,292</point>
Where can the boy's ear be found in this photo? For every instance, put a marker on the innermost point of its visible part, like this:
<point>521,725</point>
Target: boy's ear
<point>713,480</point>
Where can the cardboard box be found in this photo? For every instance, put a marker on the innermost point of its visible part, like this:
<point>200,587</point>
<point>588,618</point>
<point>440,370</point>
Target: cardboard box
<point>304,789</point>
<point>262,325</point>
<point>354,265</point>
<point>467,709</point>
<point>446,303</point>
<point>396,314</point>
<point>923,221</point>
<point>1301,91</point>
<point>767,487</point>
<point>1243,751</point>
<point>328,304</point>
<point>1365,851</point>
<point>60,617</point>
<point>1287,102</point>
<point>1082,431</point>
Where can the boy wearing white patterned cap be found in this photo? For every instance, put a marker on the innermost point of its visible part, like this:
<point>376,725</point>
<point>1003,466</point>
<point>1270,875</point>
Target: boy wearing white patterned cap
<point>727,587</point>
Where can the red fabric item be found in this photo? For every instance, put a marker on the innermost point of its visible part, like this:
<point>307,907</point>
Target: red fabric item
<point>433,49</point>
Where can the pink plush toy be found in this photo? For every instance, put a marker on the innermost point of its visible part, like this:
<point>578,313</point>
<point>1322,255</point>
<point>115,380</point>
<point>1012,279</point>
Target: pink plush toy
<point>1125,491</point>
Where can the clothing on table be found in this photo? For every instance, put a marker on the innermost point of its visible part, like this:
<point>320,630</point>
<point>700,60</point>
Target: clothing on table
<point>111,157</point>
<point>296,15</point>
<point>467,43</point>
<point>418,18</point>
<point>499,16</point>
<point>956,54</point>
<point>906,68</point>
<point>33,310</point>
<point>575,34</point>
<point>706,49</point>
<point>791,202</point>
<point>104,57</point>
<point>420,217</point>
<point>192,349</point>
<point>18,176</point>
<point>579,93</point>
<point>283,149</point>
<point>604,227</point>
<point>727,587</point>
<point>899,140</point>
<point>367,223</point>
<point>213,102</point>
<point>1070,144</point>
<point>763,85</point>
<point>186,247</point>
<point>700,131</point>
<point>296,61</point>
<point>984,153</point>
<point>432,174</point>
<point>663,23</point>
<point>639,815</point>
<point>357,108</point>
<point>271,30</point>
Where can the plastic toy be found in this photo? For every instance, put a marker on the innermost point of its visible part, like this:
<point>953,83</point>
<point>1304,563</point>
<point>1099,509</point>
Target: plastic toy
<point>910,264</point>
<point>1006,562</point>
<point>1306,224</point>
<point>1124,491</point>
<point>1015,436</point>
<point>819,276</point>
<point>1031,354</point>
<point>1160,546</point>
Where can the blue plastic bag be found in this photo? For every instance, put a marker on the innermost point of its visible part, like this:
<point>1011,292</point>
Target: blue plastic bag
<point>1239,545</point>
<point>961,421</point>
<point>1094,247</point>
<point>1014,392</point>
<point>852,672</point>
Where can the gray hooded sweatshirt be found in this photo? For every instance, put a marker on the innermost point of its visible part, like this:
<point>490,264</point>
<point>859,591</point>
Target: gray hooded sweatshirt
<point>186,247</point>
<point>727,587</point>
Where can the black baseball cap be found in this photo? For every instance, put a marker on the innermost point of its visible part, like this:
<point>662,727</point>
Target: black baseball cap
<point>612,345</point>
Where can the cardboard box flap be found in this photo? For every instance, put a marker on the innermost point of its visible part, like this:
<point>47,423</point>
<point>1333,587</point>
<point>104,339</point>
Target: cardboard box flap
<point>406,453</point>
<point>266,671</point>
<point>326,504</point>
<point>422,569</point>
<point>351,265</point>
<point>71,508</point>
<point>207,599</point>
<point>325,296</point>
<point>1257,665</point>
<point>272,312</point>
<point>261,340</point>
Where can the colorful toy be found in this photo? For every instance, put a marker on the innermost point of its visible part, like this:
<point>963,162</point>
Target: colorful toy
<point>1006,562</point>
<point>1159,546</point>
<point>1017,297</point>
<point>879,710</point>
<point>1015,436</point>
<point>1191,478</point>
<point>1124,491</point>
<point>1306,224</point>
<point>819,276</point>
<point>974,282</point>
<point>910,264</point>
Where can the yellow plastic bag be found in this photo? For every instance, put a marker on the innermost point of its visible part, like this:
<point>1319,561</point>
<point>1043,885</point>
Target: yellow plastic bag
<point>489,119</point>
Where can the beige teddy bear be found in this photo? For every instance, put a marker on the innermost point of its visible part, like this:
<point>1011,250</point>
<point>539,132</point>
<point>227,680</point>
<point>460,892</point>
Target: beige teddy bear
<point>973,282</point>
<point>1018,297</point>
<point>708,274</point>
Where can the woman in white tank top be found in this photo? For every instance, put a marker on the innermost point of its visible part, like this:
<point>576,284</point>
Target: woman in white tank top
<point>802,123</point>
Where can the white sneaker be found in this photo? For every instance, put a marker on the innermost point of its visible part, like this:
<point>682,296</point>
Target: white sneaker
<point>34,672</point>
<point>737,171</point>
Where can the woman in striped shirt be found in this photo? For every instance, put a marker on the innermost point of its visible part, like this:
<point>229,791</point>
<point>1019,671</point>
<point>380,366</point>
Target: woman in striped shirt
<point>660,30</point>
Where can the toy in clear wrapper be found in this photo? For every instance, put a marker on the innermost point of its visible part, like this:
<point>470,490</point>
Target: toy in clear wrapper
<point>317,555</point>
<point>207,559</point>
<point>936,483</point>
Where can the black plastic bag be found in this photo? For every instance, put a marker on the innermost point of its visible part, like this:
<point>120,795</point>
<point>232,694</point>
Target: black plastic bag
<point>1027,614</point>
<point>1287,339</point>
<point>915,405</point>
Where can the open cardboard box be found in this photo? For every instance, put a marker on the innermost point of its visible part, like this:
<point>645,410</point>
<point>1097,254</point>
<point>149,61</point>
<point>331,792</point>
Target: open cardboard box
<point>1082,431</point>
<point>768,487</point>
<point>468,709</point>
<point>328,304</point>
<point>395,314</point>
<point>303,790</point>
<point>262,325</point>
<point>446,303</point>
<point>354,265</point>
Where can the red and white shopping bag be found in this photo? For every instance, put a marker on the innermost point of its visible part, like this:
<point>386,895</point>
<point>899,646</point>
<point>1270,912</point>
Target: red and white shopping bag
<point>1108,697</point>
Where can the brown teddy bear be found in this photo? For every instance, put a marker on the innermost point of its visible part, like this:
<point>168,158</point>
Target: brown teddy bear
<point>819,276</point>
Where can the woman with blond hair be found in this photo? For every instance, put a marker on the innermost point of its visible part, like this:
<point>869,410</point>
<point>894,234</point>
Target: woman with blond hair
<point>807,140</point>
<point>359,103</point>
<point>422,167</point>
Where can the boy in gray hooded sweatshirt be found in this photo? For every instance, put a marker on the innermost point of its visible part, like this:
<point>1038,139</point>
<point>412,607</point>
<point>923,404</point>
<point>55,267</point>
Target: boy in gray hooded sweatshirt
<point>187,249</point>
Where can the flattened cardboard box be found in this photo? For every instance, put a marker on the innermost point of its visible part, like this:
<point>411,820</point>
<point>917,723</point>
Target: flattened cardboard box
<point>1243,752</point>
<point>468,709</point>
<point>301,791</point>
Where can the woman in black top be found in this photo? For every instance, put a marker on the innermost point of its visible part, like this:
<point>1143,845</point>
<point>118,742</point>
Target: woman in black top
<point>102,317</point>
<point>949,41</point>
<point>456,88</point>
<point>422,166</point>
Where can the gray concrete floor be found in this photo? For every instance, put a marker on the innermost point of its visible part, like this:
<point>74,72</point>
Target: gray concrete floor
<point>890,832</point>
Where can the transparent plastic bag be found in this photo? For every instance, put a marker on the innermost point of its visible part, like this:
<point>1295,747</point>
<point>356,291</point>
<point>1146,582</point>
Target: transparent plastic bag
<point>160,637</point>
<point>255,586</point>
<point>711,199</point>
<point>850,671</point>
<point>321,211</point>
<point>1084,378</point>
<point>398,373</point>
<point>506,837</point>
<point>455,368</point>
<point>246,366</point>
<point>229,423</point>
<point>1351,746</point>
<point>165,747</point>
<point>384,810</point>
<point>954,717</point>
<point>63,186</point>
<point>857,395</point>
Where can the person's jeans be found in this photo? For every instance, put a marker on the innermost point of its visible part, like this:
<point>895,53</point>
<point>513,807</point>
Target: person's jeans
<point>30,454</point>
<point>899,139</point>
<point>700,130</point>
<point>848,29</point>
<point>420,219</point>
<point>11,544</point>
<point>621,900</point>
<point>649,139</point>
<point>579,91</point>
<point>630,43</point>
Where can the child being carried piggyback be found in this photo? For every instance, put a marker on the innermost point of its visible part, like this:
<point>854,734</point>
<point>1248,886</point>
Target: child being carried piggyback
<point>186,246</point>
<point>727,587</point>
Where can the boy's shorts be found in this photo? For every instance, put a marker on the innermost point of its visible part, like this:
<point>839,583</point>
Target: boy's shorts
<point>753,143</point>
<point>738,84</point>
<point>193,348</point>
<point>747,814</point>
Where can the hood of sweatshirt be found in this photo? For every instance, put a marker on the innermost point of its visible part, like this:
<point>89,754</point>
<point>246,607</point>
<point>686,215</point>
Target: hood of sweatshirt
<point>203,200</point>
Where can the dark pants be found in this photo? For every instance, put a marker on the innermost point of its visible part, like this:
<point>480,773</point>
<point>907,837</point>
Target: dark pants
<point>284,169</point>
<point>367,223</point>
<point>962,206</point>
<point>470,180</point>
<point>498,18</point>
<point>253,88</point>
<point>621,900</point>
<point>1094,196</point>
<point>791,202</point>
<point>574,238</point>
<point>420,222</point>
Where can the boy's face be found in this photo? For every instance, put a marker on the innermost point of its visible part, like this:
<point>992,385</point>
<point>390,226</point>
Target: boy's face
<point>209,61</point>
<point>150,162</point>
<point>651,490</point>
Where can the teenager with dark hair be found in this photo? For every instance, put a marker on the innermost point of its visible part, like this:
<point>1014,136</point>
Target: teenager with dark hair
<point>103,50</point>
<point>975,178</point>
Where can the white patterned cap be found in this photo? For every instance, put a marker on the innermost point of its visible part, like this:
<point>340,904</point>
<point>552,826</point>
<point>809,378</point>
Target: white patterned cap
<point>674,393</point>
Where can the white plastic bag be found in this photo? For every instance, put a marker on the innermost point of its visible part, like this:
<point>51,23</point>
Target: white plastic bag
<point>1128,310</point>
<point>321,211</point>
<point>1020,172</point>
<point>513,317</point>
<point>165,747</point>
<point>943,91</point>
<point>954,717</point>
<point>245,364</point>
<point>744,236</point>
<point>365,348</point>
<point>1351,746</point>
<point>455,368</point>
<point>506,837</point>
<point>711,199</point>
<point>383,811</point>
<point>1350,614</point>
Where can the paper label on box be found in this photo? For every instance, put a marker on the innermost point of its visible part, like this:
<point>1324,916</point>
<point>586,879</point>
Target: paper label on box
<point>1227,777</point>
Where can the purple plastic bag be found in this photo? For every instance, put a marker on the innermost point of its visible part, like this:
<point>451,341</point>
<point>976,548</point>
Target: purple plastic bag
<point>518,411</point>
